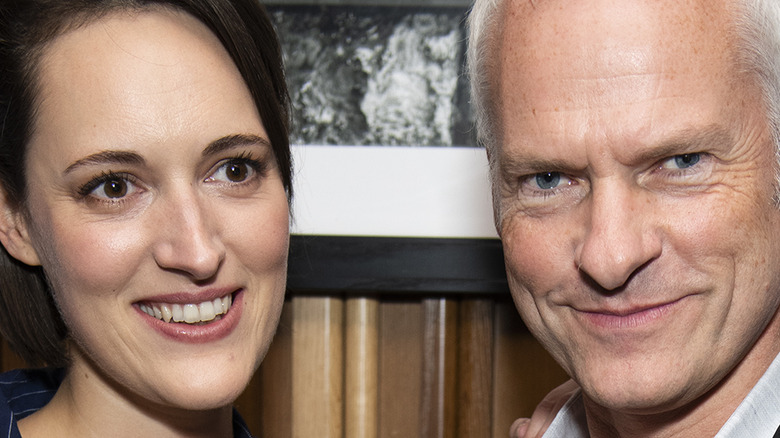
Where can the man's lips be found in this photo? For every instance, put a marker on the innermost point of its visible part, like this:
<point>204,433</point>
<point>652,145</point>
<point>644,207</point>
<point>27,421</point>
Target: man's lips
<point>627,310</point>
<point>628,316</point>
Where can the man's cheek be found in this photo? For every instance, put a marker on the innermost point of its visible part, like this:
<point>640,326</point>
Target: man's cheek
<point>532,269</point>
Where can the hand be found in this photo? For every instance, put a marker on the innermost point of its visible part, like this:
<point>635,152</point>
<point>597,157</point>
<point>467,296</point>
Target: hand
<point>544,413</point>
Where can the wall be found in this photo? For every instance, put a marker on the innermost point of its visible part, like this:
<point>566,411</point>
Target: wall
<point>367,367</point>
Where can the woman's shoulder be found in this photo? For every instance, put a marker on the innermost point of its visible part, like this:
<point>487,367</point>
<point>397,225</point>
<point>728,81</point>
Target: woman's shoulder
<point>25,391</point>
<point>46,376</point>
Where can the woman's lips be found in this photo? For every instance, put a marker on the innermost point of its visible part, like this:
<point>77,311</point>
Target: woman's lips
<point>197,325</point>
<point>190,313</point>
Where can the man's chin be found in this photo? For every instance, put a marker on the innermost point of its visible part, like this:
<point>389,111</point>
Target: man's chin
<point>645,390</point>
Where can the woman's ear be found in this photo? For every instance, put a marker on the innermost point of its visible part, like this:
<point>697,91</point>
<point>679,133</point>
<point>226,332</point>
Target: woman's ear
<point>14,235</point>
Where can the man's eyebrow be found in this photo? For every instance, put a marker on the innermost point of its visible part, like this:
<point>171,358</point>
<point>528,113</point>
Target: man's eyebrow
<point>519,164</point>
<point>687,141</point>
<point>107,157</point>
<point>232,141</point>
<point>677,143</point>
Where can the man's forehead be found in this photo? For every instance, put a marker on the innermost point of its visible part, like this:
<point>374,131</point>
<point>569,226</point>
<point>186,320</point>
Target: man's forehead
<point>564,55</point>
<point>675,10</point>
<point>608,30</point>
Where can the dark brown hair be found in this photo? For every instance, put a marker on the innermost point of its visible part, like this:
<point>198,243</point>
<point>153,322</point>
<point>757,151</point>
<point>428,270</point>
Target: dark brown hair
<point>29,320</point>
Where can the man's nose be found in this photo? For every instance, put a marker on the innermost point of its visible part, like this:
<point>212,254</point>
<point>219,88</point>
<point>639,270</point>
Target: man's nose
<point>620,236</point>
<point>188,240</point>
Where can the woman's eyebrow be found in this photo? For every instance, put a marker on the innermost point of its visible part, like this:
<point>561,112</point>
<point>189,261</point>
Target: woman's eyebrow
<point>232,141</point>
<point>107,157</point>
<point>128,157</point>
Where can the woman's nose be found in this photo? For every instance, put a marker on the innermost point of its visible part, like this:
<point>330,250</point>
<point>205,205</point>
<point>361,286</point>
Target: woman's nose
<point>188,238</point>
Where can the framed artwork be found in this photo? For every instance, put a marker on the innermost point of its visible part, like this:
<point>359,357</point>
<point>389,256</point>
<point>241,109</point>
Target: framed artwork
<point>392,193</point>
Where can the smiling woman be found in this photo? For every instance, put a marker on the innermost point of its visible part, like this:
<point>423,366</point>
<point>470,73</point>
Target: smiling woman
<point>145,179</point>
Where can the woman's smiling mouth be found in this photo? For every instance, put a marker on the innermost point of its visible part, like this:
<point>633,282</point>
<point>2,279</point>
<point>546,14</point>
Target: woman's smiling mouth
<point>190,313</point>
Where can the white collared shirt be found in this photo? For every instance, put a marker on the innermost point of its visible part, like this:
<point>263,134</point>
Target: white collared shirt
<point>758,415</point>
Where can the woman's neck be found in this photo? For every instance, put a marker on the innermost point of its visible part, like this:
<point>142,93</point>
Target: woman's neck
<point>89,405</point>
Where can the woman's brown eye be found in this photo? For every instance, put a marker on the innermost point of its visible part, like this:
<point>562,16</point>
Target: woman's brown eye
<point>115,188</point>
<point>237,172</point>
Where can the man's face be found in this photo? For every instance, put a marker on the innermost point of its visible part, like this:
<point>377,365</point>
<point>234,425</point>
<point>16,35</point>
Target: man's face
<point>636,178</point>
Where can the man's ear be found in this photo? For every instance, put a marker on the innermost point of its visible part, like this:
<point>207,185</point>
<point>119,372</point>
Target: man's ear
<point>14,235</point>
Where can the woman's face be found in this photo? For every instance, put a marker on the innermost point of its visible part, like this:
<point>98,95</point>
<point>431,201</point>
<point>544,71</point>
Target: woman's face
<point>153,188</point>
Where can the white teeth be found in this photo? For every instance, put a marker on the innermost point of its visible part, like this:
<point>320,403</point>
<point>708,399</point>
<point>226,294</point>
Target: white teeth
<point>146,309</point>
<point>189,313</point>
<point>227,301</point>
<point>178,314</point>
<point>166,312</point>
<point>207,311</point>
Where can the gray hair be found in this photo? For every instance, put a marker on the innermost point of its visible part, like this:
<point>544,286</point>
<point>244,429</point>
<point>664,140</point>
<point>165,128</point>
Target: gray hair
<point>757,28</point>
<point>484,25</point>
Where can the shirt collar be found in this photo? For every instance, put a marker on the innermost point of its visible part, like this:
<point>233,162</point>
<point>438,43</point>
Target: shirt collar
<point>759,412</point>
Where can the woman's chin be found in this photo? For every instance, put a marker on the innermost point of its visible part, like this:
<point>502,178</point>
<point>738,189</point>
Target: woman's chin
<point>204,397</point>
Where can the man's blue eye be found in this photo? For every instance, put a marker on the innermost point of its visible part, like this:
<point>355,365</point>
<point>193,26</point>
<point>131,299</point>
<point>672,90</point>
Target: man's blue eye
<point>548,180</point>
<point>686,160</point>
